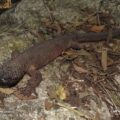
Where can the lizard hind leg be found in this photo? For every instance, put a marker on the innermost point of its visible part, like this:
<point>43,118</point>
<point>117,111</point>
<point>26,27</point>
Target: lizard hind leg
<point>34,82</point>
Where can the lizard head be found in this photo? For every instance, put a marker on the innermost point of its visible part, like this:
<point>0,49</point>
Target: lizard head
<point>8,76</point>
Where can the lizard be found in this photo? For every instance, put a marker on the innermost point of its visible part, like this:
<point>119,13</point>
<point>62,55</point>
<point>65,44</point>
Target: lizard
<point>39,55</point>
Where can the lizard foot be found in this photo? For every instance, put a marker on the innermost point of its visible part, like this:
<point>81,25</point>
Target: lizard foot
<point>28,91</point>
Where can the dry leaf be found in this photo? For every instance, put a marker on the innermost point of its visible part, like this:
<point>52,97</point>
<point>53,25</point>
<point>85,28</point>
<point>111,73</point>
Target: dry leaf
<point>104,58</point>
<point>110,61</point>
<point>69,52</point>
<point>48,104</point>
<point>83,52</point>
<point>7,91</point>
<point>72,54</point>
<point>6,4</point>
<point>96,28</point>
<point>61,92</point>
<point>57,92</point>
<point>79,69</point>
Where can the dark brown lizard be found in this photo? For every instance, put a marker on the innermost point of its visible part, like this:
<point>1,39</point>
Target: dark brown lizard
<point>34,58</point>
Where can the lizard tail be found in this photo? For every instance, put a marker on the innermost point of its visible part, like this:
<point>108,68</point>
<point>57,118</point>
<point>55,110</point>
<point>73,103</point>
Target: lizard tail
<point>94,37</point>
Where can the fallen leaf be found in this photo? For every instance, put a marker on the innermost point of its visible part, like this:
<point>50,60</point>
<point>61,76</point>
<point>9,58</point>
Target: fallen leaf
<point>110,61</point>
<point>96,28</point>
<point>70,54</point>
<point>7,91</point>
<point>104,58</point>
<point>48,104</point>
<point>61,92</point>
<point>83,52</point>
<point>79,69</point>
<point>6,4</point>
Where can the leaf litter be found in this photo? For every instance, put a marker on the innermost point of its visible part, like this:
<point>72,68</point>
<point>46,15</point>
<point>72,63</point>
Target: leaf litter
<point>94,68</point>
<point>91,74</point>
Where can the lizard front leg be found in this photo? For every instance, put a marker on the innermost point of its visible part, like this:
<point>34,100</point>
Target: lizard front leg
<point>35,80</point>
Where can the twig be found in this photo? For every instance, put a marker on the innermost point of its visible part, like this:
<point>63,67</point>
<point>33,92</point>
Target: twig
<point>49,11</point>
<point>80,113</point>
<point>103,88</point>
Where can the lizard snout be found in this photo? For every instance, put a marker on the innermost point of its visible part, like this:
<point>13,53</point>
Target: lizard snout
<point>6,83</point>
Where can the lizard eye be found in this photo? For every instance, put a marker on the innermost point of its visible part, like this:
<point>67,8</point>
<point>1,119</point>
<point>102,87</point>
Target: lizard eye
<point>2,82</point>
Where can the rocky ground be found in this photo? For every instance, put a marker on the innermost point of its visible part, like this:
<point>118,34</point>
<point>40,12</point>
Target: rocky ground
<point>78,85</point>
